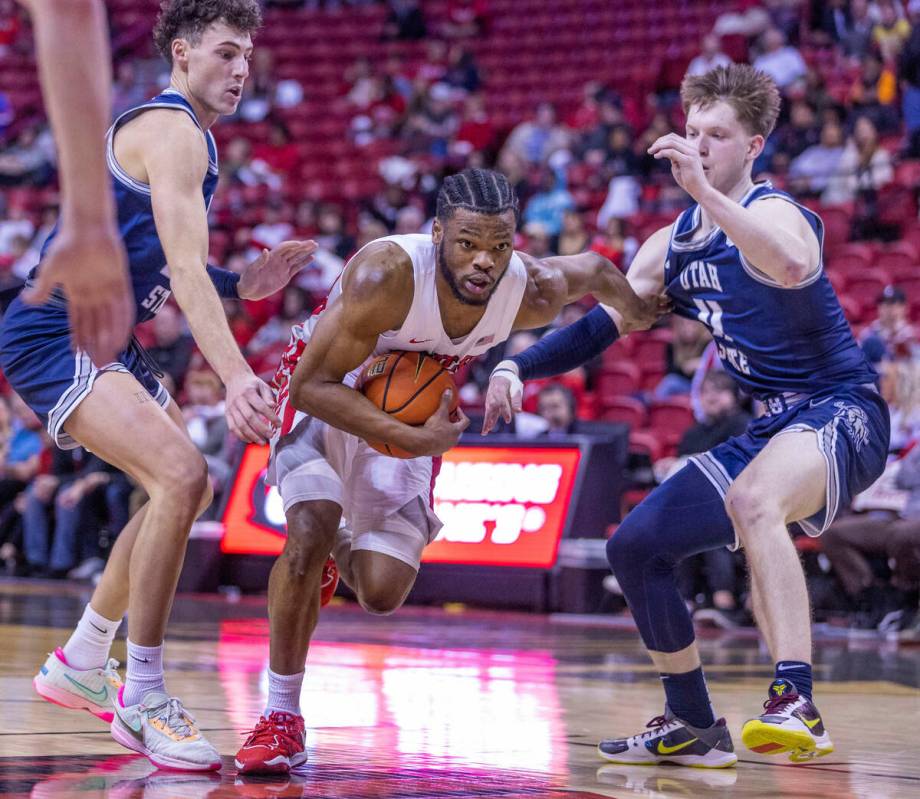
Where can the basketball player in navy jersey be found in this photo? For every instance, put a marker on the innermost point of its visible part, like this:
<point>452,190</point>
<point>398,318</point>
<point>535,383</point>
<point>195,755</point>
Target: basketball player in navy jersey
<point>162,162</point>
<point>745,260</point>
<point>453,294</point>
<point>88,256</point>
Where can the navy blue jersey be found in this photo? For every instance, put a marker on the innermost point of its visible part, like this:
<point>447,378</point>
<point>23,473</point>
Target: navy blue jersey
<point>146,260</point>
<point>771,339</point>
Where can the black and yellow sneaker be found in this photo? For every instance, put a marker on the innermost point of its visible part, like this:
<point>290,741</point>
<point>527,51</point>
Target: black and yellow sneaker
<point>670,740</point>
<point>789,724</point>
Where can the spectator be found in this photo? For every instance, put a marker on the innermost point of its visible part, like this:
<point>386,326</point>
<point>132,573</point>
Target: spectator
<point>556,405</point>
<point>683,353</point>
<point>15,224</point>
<point>622,200</point>
<point>899,386</point>
<point>85,493</point>
<point>331,233</point>
<point>462,73</point>
<point>237,167</point>
<point>852,542</point>
<point>430,128</point>
<point>405,21</point>
<point>891,336</point>
<point>890,32</point>
<point>909,74</point>
<point>280,154</point>
<point>800,133</point>
<point>574,237</point>
<point>295,307</point>
<point>476,132</point>
<point>259,89</point>
<point>549,204</point>
<point>811,171</point>
<point>29,161</point>
<point>613,243</point>
<point>864,167</point>
<point>10,25</point>
<point>466,19</point>
<point>207,427</point>
<point>710,57</point>
<point>873,94</point>
<point>7,114</point>
<point>274,227</point>
<point>539,241</point>
<point>534,141</point>
<point>127,89</point>
<point>409,220</point>
<point>779,60</point>
<point>173,345</point>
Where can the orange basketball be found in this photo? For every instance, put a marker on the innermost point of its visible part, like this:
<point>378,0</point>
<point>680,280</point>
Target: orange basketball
<point>407,385</point>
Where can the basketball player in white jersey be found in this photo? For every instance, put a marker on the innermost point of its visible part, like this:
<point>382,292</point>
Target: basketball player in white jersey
<point>454,294</point>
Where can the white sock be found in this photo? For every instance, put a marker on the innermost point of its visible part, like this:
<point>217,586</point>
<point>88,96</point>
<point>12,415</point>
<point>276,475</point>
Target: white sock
<point>144,673</point>
<point>89,644</point>
<point>341,551</point>
<point>284,693</point>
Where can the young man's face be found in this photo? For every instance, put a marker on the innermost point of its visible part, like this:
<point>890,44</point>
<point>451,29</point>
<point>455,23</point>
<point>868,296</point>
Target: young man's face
<point>473,251</point>
<point>726,148</point>
<point>218,67</point>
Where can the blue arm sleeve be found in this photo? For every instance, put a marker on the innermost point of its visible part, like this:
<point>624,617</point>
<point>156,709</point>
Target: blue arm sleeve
<point>225,282</point>
<point>569,347</point>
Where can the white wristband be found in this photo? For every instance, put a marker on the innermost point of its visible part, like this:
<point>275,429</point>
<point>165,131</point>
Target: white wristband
<point>508,370</point>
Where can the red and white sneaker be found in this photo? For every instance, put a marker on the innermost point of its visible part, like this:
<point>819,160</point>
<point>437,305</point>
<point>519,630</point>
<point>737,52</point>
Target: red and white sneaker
<point>277,745</point>
<point>329,583</point>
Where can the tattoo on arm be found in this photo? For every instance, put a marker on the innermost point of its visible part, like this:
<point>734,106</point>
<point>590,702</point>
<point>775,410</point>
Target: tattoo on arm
<point>142,397</point>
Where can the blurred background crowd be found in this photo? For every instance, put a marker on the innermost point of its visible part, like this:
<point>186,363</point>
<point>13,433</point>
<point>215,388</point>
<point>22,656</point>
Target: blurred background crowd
<point>354,111</point>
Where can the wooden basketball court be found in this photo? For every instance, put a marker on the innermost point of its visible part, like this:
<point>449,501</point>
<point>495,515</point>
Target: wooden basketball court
<point>432,703</point>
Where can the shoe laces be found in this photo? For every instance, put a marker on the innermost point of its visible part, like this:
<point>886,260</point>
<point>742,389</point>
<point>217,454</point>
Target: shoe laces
<point>777,704</point>
<point>174,716</point>
<point>280,724</point>
<point>655,726</point>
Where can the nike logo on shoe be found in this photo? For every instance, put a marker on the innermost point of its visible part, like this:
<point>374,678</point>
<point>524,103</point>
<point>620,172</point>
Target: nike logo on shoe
<point>99,696</point>
<point>811,724</point>
<point>670,750</point>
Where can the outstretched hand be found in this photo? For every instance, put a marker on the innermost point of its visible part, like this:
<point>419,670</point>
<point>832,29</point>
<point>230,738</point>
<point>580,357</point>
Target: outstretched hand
<point>504,397</point>
<point>274,269</point>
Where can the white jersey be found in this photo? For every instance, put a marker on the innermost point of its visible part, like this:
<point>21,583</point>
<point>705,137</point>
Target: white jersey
<point>423,330</point>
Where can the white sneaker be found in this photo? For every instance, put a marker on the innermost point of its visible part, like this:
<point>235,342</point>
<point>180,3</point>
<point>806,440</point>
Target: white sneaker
<point>92,690</point>
<point>164,732</point>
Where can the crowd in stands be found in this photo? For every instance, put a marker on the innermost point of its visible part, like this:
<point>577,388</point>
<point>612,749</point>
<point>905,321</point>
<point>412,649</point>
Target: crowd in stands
<point>364,159</point>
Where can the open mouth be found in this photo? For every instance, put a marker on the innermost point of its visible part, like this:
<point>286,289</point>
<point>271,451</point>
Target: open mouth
<point>235,91</point>
<point>477,285</point>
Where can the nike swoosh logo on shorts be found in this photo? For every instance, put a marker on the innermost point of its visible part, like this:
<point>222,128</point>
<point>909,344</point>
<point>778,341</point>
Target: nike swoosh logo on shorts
<point>816,403</point>
<point>99,696</point>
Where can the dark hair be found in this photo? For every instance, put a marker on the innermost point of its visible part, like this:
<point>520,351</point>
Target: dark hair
<point>559,388</point>
<point>187,19</point>
<point>753,95</point>
<point>479,190</point>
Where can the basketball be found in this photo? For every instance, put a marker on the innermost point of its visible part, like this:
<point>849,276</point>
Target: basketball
<point>408,386</point>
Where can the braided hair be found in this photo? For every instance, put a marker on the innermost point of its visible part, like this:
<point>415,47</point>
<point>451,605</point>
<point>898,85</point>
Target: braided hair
<point>479,190</point>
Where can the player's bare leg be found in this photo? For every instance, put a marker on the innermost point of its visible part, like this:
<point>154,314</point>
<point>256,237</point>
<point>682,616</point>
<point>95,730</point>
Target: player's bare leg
<point>293,588</point>
<point>786,482</point>
<point>277,743</point>
<point>175,477</point>
<point>381,582</point>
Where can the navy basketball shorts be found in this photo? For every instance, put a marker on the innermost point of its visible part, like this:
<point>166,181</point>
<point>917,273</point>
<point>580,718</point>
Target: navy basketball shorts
<point>37,360</point>
<point>852,430</point>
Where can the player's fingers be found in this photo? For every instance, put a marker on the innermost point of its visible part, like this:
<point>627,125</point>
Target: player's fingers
<point>444,406</point>
<point>241,427</point>
<point>462,421</point>
<point>256,421</point>
<point>506,412</point>
<point>516,402</point>
<point>267,403</point>
<point>489,416</point>
<point>95,341</point>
